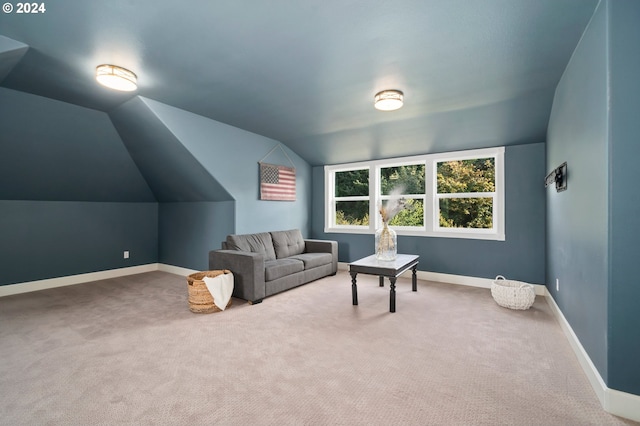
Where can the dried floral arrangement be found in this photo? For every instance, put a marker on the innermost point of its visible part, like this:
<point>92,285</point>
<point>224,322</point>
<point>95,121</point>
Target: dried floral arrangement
<point>393,206</point>
<point>386,242</point>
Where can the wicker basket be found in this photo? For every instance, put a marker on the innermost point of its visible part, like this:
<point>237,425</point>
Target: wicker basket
<point>200,300</point>
<point>512,294</point>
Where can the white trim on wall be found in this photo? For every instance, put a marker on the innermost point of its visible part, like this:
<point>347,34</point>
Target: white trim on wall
<point>176,270</point>
<point>540,289</point>
<point>26,287</point>
<point>621,404</point>
<point>613,401</point>
<point>587,365</point>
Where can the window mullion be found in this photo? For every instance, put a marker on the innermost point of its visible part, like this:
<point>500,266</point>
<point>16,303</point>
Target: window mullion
<point>330,196</point>
<point>430,207</point>
<point>374,190</point>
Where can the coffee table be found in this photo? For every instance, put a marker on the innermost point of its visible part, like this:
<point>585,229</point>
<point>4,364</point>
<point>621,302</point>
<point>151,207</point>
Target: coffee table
<point>384,268</point>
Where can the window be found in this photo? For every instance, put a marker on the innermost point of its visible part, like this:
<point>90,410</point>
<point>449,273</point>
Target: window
<point>350,204</point>
<point>466,193</point>
<point>444,195</point>
<point>408,183</point>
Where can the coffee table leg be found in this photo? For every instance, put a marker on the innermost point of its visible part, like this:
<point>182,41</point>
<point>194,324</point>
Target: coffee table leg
<point>381,281</point>
<point>414,283</point>
<point>392,294</point>
<point>354,288</point>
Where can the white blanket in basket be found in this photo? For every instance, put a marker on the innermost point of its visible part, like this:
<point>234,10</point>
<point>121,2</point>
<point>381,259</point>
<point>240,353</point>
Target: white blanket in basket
<point>221,288</point>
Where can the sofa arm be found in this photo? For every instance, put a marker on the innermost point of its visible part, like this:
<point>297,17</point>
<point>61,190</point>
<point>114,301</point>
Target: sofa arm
<point>247,269</point>
<point>324,246</point>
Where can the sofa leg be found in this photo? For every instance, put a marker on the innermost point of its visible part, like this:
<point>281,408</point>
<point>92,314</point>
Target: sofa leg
<point>254,302</point>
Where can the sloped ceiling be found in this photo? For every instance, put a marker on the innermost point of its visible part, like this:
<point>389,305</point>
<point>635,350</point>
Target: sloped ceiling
<point>474,73</point>
<point>172,172</point>
<point>11,52</point>
<point>55,151</point>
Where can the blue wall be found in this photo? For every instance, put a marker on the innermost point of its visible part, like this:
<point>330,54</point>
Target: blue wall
<point>188,231</point>
<point>74,196</point>
<point>593,227</point>
<point>52,150</point>
<point>172,172</point>
<point>577,219</point>
<point>624,176</point>
<point>519,257</point>
<point>71,198</point>
<point>48,239</point>
<point>231,156</point>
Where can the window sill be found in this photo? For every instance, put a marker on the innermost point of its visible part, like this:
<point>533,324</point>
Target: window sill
<point>463,234</point>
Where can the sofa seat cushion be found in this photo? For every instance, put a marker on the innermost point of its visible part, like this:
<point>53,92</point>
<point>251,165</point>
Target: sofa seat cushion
<point>313,260</point>
<point>287,243</point>
<point>274,269</point>
<point>256,243</point>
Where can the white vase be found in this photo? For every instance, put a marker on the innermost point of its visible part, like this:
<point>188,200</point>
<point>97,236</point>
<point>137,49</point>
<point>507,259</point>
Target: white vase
<point>386,243</point>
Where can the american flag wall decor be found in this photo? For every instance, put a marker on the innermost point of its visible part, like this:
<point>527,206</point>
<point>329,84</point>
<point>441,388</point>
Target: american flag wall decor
<point>277,183</point>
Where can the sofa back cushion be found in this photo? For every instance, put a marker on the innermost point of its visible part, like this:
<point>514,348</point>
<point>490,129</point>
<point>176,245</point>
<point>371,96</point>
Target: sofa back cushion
<point>256,243</point>
<point>287,243</point>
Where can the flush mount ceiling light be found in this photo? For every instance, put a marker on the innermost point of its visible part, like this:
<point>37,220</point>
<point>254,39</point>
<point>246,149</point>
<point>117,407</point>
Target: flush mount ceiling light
<point>115,77</point>
<point>389,100</point>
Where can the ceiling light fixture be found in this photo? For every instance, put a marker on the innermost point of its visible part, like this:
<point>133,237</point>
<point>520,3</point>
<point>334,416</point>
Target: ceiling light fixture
<point>115,77</point>
<point>389,100</point>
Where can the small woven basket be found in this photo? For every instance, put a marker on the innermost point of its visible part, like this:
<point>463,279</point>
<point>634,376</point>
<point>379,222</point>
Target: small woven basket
<point>200,300</point>
<point>512,294</point>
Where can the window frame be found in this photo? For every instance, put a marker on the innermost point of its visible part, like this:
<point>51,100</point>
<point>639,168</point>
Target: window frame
<point>331,200</point>
<point>431,226</point>
<point>384,164</point>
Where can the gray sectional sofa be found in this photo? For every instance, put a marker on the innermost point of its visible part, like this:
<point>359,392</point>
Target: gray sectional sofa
<point>267,263</point>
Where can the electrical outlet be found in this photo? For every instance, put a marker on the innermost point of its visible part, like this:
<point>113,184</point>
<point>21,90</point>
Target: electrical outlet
<point>557,284</point>
<point>126,254</point>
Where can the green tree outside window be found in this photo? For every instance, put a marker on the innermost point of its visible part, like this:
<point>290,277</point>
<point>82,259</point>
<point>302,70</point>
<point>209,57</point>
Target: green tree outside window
<point>466,177</point>
<point>352,183</point>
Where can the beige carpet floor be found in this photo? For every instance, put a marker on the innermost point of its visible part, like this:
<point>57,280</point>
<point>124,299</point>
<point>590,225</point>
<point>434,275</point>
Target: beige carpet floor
<point>128,351</point>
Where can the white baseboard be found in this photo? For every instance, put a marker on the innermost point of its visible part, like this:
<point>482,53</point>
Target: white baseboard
<point>618,403</point>
<point>176,270</point>
<point>469,281</point>
<point>456,279</point>
<point>597,383</point>
<point>26,287</point>
<point>622,404</point>
<point>613,401</point>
